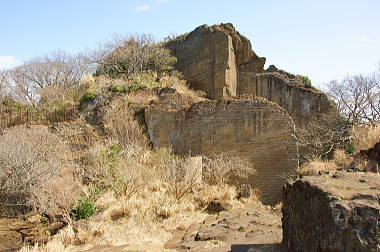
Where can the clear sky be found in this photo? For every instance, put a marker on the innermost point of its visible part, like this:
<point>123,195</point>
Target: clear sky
<point>324,39</point>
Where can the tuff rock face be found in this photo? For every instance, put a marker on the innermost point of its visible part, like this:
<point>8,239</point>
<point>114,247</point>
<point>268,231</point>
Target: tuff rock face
<point>221,62</point>
<point>333,212</point>
<point>251,128</point>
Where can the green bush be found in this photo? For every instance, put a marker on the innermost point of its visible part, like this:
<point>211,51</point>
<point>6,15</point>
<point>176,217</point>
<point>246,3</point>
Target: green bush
<point>134,55</point>
<point>135,86</point>
<point>88,96</point>
<point>85,208</point>
<point>305,79</point>
<point>114,153</point>
<point>350,148</point>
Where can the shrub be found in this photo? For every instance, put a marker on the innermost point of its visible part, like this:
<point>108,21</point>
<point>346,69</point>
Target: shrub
<point>126,57</point>
<point>304,79</point>
<point>182,176</point>
<point>88,96</point>
<point>35,164</point>
<point>111,171</point>
<point>135,86</point>
<point>322,135</point>
<point>223,168</point>
<point>85,208</point>
<point>28,157</point>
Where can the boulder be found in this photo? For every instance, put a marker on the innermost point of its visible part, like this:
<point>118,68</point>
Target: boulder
<point>334,212</point>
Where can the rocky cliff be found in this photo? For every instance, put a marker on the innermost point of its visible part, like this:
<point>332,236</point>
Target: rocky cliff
<point>221,62</point>
<point>252,128</point>
<point>333,212</point>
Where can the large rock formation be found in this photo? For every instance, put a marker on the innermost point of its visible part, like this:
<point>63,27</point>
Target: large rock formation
<point>252,128</point>
<point>221,62</point>
<point>333,212</point>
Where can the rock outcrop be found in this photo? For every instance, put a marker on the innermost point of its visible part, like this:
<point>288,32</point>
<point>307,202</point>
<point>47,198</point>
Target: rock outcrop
<point>252,228</point>
<point>221,62</point>
<point>252,128</point>
<point>333,212</point>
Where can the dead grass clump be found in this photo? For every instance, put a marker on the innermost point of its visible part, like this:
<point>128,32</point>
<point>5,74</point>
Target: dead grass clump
<point>342,159</point>
<point>175,80</point>
<point>120,123</point>
<point>365,137</point>
<point>224,168</point>
<point>315,166</point>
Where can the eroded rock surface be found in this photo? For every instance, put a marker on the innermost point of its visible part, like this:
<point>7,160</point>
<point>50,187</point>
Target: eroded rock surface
<point>335,212</point>
<point>220,61</point>
<point>252,128</point>
<point>253,227</point>
<point>16,232</point>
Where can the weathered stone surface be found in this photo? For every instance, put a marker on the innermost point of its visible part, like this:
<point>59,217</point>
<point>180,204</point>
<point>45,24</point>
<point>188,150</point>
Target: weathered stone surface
<point>253,225</point>
<point>300,101</point>
<point>209,58</point>
<point>219,205</point>
<point>15,232</point>
<point>13,205</point>
<point>333,212</point>
<point>221,62</point>
<point>254,129</point>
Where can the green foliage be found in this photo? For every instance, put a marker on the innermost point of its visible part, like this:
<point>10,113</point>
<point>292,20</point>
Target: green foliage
<point>113,153</point>
<point>135,86</point>
<point>117,89</point>
<point>305,79</point>
<point>85,208</point>
<point>230,26</point>
<point>88,96</point>
<point>135,55</point>
<point>350,148</point>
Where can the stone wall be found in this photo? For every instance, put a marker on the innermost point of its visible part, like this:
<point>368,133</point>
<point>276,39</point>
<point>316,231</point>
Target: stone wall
<point>335,212</point>
<point>252,128</point>
<point>221,62</point>
<point>302,103</point>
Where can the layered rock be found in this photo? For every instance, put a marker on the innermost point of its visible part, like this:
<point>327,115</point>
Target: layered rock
<point>221,62</point>
<point>333,212</point>
<point>252,128</point>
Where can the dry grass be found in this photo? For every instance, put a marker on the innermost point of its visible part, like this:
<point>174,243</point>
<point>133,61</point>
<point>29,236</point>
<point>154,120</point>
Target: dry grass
<point>365,136</point>
<point>147,218</point>
<point>224,168</point>
<point>176,81</point>
<point>315,166</point>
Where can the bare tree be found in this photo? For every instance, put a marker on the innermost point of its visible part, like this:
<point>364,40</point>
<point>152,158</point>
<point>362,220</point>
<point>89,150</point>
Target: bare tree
<point>57,69</point>
<point>3,84</point>
<point>358,97</point>
<point>323,135</point>
<point>27,159</point>
<point>125,56</point>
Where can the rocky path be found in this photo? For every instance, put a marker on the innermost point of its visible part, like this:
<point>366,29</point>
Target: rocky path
<point>253,228</point>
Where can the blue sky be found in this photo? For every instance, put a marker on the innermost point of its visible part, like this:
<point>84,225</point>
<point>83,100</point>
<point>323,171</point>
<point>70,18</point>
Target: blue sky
<point>322,39</point>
